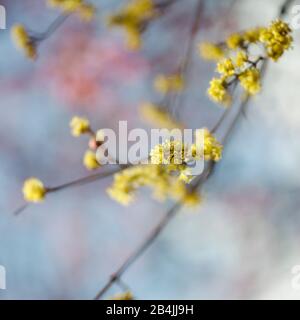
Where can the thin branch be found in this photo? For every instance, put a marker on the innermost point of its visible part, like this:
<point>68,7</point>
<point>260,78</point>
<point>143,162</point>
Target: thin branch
<point>83,181</point>
<point>58,22</point>
<point>187,58</point>
<point>20,209</point>
<point>132,258</point>
<point>74,183</point>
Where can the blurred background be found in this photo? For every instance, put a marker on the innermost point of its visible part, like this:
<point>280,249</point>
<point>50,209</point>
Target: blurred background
<point>241,243</point>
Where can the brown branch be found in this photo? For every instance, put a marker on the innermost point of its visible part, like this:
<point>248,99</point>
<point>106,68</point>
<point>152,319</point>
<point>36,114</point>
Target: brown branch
<point>184,67</point>
<point>56,24</point>
<point>74,183</point>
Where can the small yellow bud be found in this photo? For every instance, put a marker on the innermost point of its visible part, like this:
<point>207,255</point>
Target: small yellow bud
<point>169,83</point>
<point>34,190</point>
<point>79,126</point>
<point>23,41</point>
<point>210,51</point>
<point>192,199</point>
<point>241,58</point>
<point>218,92</point>
<point>234,41</point>
<point>250,80</point>
<point>90,160</point>
<point>226,68</point>
<point>87,12</point>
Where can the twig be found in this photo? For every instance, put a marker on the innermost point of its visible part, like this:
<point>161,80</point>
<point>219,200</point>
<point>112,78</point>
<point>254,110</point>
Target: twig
<point>132,258</point>
<point>52,27</point>
<point>83,181</point>
<point>187,58</point>
<point>74,183</point>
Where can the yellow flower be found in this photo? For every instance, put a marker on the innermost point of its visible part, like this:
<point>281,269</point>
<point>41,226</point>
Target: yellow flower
<point>86,11</point>
<point>186,176</point>
<point>277,39</point>
<point>123,296</point>
<point>169,83</point>
<point>133,38</point>
<point>156,116</point>
<point>140,8</point>
<point>66,5</point>
<point>132,18</point>
<point>79,126</point>
<point>226,67</point>
<point>157,177</point>
<point>192,199</point>
<point>212,148</point>
<point>210,51</point>
<point>170,152</point>
<point>234,41</point>
<point>34,190</point>
<point>126,183</point>
<point>23,41</point>
<point>250,80</point>
<point>175,156</point>
<point>90,160</point>
<point>218,92</point>
<point>241,59</point>
<point>252,35</point>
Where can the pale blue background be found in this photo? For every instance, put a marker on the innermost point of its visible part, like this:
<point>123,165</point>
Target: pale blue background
<point>241,243</point>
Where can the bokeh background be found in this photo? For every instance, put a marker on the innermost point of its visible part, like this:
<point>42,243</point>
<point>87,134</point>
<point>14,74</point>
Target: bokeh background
<point>241,243</point>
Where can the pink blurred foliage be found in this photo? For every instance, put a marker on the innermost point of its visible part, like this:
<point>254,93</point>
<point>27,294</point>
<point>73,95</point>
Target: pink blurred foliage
<point>85,70</point>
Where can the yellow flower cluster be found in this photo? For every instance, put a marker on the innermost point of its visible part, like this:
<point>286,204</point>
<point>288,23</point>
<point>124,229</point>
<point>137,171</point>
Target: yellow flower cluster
<point>212,149</point>
<point>175,156</point>
<point>169,172</point>
<point>169,83</point>
<point>34,190</point>
<point>170,153</point>
<point>85,10</point>
<point>79,126</point>
<point>23,41</point>
<point>156,177</point>
<point>241,58</point>
<point>277,39</point>
<point>155,115</point>
<point>237,66</point>
<point>250,80</point>
<point>226,68</point>
<point>236,41</point>
<point>218,91</point>
<point>242,70</point>
<point>133,18</point>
